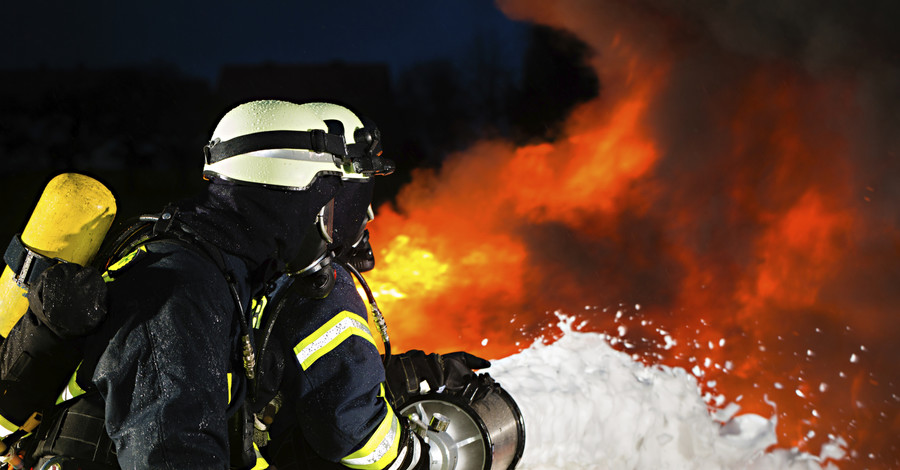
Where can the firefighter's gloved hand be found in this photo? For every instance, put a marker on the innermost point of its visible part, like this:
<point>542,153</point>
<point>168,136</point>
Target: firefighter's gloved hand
<point>414,373</point>
<point>468,359</point>
<point>459,369</point>
<point>69,299</point>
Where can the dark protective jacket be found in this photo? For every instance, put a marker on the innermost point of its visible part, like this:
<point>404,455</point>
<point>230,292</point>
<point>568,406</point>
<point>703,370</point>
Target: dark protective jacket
<point>335,408</point>
<point>164,355</point>
<point>163,374</point>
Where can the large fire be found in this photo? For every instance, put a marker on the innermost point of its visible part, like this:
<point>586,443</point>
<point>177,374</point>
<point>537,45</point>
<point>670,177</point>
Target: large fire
<point>706,211</point>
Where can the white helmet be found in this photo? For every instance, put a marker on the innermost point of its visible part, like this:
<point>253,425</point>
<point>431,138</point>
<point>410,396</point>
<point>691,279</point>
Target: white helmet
<point>274,143</point>
<point>362,137</point>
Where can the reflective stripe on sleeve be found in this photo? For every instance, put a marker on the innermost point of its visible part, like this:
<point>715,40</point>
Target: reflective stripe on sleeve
<point>330,335</point>
<point>416,455</point>
<point>381,448</point>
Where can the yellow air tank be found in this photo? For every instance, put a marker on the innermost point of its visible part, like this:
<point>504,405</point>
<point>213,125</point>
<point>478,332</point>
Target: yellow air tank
<point>69,222</point>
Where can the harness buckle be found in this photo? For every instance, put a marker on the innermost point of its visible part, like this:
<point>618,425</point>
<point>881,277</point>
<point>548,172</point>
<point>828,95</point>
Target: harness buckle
<point>25,263</point>
<point>25,270</point>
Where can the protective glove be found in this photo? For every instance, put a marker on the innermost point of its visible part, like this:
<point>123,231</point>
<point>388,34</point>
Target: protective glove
<point>459,367</point>
<point>414,373</point>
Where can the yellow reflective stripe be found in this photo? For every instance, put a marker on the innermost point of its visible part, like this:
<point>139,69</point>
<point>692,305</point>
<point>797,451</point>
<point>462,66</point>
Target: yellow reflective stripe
<point>7,427</point>
<point>330,335</point>
<point>260,461</point>
<point>121,263</point>
<point>71,390</point>
<point>229,378</point>
<point>381,449</point>
<point>257,307</point>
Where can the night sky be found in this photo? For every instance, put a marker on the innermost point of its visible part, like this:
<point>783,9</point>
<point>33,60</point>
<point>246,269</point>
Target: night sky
<point>45,43</point>
<point>201,36</point>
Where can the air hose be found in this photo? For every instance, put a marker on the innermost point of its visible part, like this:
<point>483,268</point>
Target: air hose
<point>376,312</point>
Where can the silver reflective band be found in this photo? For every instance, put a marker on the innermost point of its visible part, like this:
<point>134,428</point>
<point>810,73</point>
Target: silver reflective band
<point>67,394</point>
<point>22,276</point>
<point>7,427</point>
<point>416,453</point>
<point>282,168</point>
<point>399,460</point>
<point>329,336</point>
<point>379,452</point>
<point>296,154</point>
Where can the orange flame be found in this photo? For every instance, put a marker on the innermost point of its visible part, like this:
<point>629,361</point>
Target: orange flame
<point>716,228</point>
<point>455,256</point>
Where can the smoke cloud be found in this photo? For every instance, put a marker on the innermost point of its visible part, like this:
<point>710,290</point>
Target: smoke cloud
<point>733,189</point>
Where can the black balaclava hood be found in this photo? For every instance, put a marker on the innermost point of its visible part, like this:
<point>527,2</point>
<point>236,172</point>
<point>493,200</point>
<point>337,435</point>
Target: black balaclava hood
<point>351,206</point>
<point>262,226</point>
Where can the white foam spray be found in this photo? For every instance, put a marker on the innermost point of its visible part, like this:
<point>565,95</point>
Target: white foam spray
<point>588,406</point>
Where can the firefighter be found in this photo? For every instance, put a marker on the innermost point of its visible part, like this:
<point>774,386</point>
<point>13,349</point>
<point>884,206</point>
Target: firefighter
<point>327,402</point>
<point>333,410</point>
<point>174,359</point>
<point>172,374</point>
